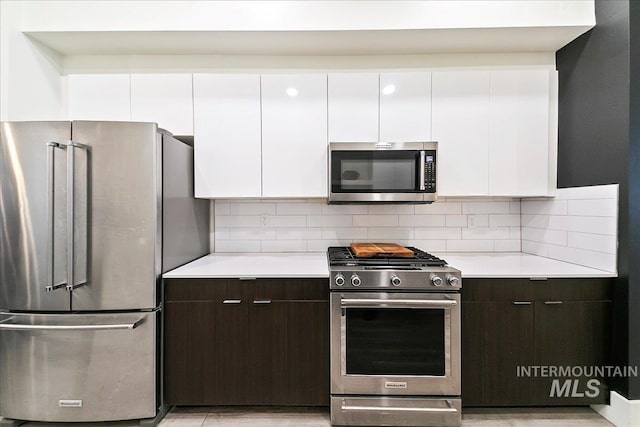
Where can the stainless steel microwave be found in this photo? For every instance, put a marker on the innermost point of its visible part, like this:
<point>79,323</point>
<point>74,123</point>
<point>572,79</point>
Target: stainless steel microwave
<point>383,172</point>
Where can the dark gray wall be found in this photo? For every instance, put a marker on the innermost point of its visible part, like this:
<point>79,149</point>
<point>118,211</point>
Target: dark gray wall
<point>599,94</point>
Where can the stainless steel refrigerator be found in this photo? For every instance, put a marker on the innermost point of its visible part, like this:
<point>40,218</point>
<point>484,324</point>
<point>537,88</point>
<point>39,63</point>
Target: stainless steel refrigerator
<point>91,215</point>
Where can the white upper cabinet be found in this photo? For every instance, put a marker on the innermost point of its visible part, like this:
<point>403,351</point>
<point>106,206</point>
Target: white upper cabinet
<point>165,99</point>
<point>227,135</point>
<point>405,107</point>
<point>460,121</point>
<point>353,107</point>
<point>520,140</point>
<point>99,97</point>
<point>294,135</point>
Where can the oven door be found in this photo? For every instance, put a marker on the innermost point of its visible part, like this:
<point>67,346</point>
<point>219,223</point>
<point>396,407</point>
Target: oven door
<point>382,172</point>
<point>395,343</point>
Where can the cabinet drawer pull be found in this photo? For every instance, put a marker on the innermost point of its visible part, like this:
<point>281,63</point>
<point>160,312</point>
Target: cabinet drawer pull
<point>553,302</point>
<point>263,301</point>
<point>232,301</point>
<point>522,303</point>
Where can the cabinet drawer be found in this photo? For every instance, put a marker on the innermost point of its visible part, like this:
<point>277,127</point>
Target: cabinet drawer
<point>497,290</point>
<point>582,289</point>
<point>292,289</point>
<point>208,289</point>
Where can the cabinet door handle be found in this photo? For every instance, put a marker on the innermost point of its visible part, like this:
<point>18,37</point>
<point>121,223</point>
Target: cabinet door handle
<point>553,302</point>
<point>232,301</point>
<point>263,301</point>
<point>522,303</point>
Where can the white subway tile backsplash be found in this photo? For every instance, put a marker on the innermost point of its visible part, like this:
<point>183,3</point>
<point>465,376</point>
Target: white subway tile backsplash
<point>507,245</point>
<point>449,225</point>
<point>554,237</point>
<point>587,258</point>
<point>592,208</point>
<point>221,208</point>
<point>284,246</point>
<point>578,226</point>
<point>329,221</point>
<point>252,208</point>
<point>286,221</point>
<point>422,220</point>
<point>375,220</point>
<point>322,245</point>
<point>482,207</point>
<point>250,234</point>
<point>488,233</point>
<point>298,233</point>
<point>344,233</point>
<point>391,209</point>
<point>439,208</point>
<point>593,242</point>
<point>344,209</point>
<point>470,246</point>
<point>237,221</point>
<point>238,245</point>
<point>398,233</point>
<point>456,220</point>
<point>595,192</point>
<point>438,233</point>
<point>544,207</point>
<point>429,245</point>
<point>300,208</point>
<point>506,220</point>
<point>535,248</point>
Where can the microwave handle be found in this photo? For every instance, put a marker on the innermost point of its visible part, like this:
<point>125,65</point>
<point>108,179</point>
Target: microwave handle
<point>422,166</point>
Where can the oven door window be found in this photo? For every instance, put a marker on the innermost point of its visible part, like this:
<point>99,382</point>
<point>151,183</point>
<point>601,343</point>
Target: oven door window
<point>375,171</point>
<point>395,341</point>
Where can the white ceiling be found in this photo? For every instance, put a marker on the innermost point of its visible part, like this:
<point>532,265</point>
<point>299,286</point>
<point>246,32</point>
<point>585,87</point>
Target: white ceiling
<point>364,42</point>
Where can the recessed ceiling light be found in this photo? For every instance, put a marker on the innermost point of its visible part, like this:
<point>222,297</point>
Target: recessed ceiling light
<point>292,91</point>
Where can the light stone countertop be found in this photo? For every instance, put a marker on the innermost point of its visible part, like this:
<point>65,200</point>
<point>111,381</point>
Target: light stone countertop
<point>314,264</point>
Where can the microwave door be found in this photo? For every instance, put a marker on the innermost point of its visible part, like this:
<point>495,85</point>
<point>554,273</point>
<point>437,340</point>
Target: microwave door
<point>377,176</point>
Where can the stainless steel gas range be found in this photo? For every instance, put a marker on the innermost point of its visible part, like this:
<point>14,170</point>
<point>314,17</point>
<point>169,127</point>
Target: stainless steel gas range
<point>395,340</point>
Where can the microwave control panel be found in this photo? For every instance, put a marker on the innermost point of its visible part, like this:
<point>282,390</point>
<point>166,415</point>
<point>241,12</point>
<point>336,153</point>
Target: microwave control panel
<point>430,171</point>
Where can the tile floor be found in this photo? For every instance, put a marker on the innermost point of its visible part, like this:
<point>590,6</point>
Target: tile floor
<point>319,417</point>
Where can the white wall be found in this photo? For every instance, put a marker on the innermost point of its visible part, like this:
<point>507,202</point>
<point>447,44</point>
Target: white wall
<point>31,85</point>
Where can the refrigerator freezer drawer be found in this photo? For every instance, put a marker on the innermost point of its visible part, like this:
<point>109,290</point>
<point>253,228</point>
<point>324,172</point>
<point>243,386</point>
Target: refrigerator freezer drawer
<point>78,367</point>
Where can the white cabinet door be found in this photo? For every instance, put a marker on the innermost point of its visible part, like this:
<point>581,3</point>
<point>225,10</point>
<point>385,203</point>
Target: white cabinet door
<point>294,135</point>
<point>353,107</point>
<point>99,97</point>
<point>166,99</point>
<point>405,107</point>
<point>461,117</point>
<point>519,150</point>
<point>227,135</point>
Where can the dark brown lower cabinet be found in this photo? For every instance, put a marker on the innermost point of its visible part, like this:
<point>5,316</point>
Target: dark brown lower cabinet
<point>516,331</point>
<point>258,342</point>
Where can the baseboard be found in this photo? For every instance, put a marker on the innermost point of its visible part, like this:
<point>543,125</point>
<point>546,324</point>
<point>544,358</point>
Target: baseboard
<point>620,411</point>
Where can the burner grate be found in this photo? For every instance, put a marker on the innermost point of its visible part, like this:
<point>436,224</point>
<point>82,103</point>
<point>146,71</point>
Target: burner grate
<point>342,255</point>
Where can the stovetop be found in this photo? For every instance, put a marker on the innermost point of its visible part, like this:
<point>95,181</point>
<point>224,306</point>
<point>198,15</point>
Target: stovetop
<point>343,256</point>
<point>422,272</point>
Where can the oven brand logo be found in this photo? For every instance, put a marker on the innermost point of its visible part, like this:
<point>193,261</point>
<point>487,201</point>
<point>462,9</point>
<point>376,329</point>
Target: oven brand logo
<point>576,381</point>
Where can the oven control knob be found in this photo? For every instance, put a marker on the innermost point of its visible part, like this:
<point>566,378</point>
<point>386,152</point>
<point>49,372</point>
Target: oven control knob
<point>355,280</point>
<point>339,280</point>
<point>453,281</point>
<point>436,280</point>
<point>395,281</point>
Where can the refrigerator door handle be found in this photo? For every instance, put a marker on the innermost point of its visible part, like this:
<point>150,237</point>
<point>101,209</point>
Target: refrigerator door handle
<point>51,147</point>
<point>16,326</point>
<point>71,145</point>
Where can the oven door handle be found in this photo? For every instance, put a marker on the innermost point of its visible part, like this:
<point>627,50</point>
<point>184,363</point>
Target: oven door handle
<point>450,408</point>
<point>395,303</point>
